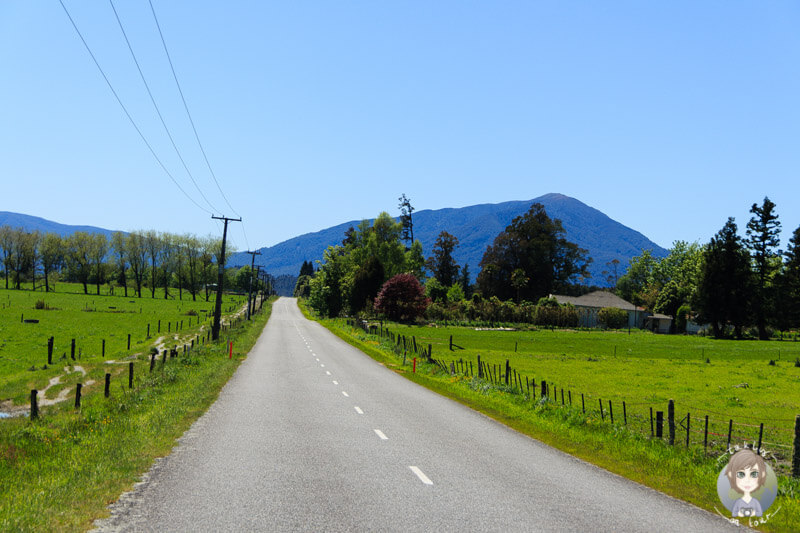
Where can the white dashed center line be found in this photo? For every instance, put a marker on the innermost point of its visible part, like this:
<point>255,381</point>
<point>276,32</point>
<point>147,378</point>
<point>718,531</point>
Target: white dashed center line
<point>343,392</point>
<point>358,410</point>
<point>335,382</point>
<point>380,434</point>
<point>422,477</point>
<point>328,372</point>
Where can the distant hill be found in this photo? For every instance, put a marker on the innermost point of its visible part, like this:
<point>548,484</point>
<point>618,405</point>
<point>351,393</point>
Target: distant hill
<point>31,223</point>
<point>476,227</point>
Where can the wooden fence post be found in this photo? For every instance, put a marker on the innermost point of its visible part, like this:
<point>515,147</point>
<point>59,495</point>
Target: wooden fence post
<point>705,437</point>
<point>152,362</point>
<point>688,422</point>
<point>671,421</point>
<point>480,368</point>
<point>130,375</point>
<point>611,411</point>
<point>34,404</point>
<point>624,413</point>
<point>652,433</point>
<point>129,341</point>
<point>583,404</point>
<point>544,389</point>
<point>602,415</point>
<point>660,424</point>
<point>451,343</point>
<point>107,390</point>
<point>78,388</point>
<point>72,349</point>
<point>508,370</point>
<point>50,351</point>
<point>730,431</point>
<point>760,434</point>
<point>103,349</point>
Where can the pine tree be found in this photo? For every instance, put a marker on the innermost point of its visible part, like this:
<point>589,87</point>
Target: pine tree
<point>724,288</point>
<point>441,263</point>
<point>763,232</point>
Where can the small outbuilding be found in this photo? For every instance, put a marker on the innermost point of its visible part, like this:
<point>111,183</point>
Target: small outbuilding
<point>658,323</point>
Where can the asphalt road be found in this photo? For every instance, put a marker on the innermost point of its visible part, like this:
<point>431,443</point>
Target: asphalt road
<point>312,435</point>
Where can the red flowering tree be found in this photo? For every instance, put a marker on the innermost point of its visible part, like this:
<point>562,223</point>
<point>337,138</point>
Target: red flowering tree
<point>402,298</point>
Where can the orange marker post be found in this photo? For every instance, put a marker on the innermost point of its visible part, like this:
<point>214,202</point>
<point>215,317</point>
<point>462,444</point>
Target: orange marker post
<point>415,366</point>
<point>230,350</point>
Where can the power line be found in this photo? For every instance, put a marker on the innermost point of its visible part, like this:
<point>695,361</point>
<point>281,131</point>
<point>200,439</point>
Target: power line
<point>186,107</point>
<point>127,114</point>
<point>158,111</point>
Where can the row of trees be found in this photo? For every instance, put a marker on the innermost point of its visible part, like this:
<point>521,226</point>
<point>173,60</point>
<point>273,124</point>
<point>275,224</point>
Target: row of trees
<point>732,282</point>
<point>372,269</point>
<point>134,261</point>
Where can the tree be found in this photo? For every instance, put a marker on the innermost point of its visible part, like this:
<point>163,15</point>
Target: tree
<point>402,298</point>
<point>612,274</point>
<point>441,263</point>
<point>78,257</point>
<point>633,285</point>
<point>405,218</point>
<point>52,252</point>
<point>518,281</point>
<point>763,232</point>
<point>98,248</point>
<point>307,269</point>
<point>534,243</point>
<point>167,259</point>
<point>137,256</point>
<point>724,287</point>
<point>788,287</point>
<point>463,279</point>
<point>119,243</point>
<point>6,245</point>
<point>193,250</point>
<point>152,245</point>
<point>415,261</point>
<point>367,282</point>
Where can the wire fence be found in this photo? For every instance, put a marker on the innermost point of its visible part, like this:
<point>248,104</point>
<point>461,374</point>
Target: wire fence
<point>681,424</point>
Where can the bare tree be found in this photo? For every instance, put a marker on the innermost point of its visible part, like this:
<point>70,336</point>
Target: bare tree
<point>98,249</point>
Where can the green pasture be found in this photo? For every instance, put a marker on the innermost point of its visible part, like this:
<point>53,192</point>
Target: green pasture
<point>737,383</point>
<point>60,471</point>
<point>89,319</point>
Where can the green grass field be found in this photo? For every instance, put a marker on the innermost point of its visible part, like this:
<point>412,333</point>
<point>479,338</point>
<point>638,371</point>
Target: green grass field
<point>58,472</point>
<point>89,319</point>
<point>646,370</point>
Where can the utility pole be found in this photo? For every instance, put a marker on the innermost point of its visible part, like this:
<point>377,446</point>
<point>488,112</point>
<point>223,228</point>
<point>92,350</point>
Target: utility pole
<point>250,280</point>
<point>255,296</point>
<point>220,277</point>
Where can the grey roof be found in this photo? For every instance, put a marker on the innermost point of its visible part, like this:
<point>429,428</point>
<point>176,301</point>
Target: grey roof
<point>597,299</point>
<point>659,316</point>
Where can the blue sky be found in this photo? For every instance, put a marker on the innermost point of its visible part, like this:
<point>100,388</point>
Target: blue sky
<point>668,117</point>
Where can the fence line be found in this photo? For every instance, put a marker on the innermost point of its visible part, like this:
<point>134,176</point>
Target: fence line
<point>679,427</point>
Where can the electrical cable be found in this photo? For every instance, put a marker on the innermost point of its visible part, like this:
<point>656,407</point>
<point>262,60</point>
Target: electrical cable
<point>186,107</point>
<point>155,105</point>
<point>127,114</point>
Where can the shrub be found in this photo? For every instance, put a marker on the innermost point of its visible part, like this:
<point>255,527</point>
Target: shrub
<point>402,298</point>
<point>40,305</point>
<point>612,317</point>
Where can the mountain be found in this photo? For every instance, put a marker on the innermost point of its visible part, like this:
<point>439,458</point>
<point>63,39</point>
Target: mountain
<point>476,228</point>
<point>30,223</point>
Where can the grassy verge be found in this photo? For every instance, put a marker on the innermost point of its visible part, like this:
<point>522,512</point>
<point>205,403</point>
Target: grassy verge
<point>59,472</point>
<point>687,474</point>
